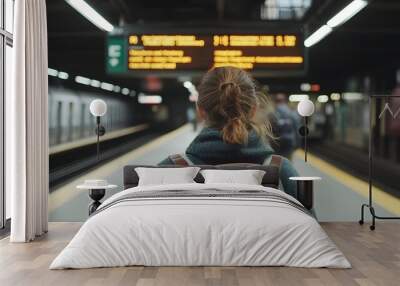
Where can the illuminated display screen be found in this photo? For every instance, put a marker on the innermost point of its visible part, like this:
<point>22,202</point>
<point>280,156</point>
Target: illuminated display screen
<point>184,52</point>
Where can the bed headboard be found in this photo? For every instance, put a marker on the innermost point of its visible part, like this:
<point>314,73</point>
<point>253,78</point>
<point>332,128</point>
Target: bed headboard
<point>270,179</point>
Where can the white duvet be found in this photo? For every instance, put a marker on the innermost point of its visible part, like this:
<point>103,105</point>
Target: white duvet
<point>200,231</point>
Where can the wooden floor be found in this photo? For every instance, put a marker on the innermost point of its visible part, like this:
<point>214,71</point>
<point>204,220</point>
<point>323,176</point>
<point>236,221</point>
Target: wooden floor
<point>375,257</point>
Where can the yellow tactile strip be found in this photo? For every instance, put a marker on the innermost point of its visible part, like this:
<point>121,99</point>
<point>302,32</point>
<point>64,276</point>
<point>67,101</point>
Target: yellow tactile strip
<point>383,199</point>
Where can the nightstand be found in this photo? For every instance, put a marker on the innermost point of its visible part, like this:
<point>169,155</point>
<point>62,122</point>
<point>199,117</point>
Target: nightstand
<point>97,190</point>
<point>305,190</point>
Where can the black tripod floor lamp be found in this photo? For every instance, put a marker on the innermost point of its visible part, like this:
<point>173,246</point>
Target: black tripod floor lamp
<point>98,108</point>
<point>305,108</point>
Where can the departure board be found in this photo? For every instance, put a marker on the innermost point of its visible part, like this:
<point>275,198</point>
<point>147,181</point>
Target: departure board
<point>185,52</point>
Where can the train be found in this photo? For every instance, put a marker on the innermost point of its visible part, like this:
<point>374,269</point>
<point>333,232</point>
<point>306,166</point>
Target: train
<point>347,122</point>
<point>70,118</point>
<point>342,129</point>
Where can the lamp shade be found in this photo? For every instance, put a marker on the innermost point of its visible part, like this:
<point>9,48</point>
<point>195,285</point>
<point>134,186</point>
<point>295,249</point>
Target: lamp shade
<point>305,107</point>
<point>98,107</point>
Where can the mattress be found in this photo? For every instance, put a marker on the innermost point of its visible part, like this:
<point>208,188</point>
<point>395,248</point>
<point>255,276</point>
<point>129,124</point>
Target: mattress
<point>201,225</point>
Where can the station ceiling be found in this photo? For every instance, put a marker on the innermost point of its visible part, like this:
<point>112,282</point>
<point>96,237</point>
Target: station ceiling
<point>368,43</point>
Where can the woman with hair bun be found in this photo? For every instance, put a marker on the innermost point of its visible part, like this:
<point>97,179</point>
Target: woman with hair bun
<point>231,108</point>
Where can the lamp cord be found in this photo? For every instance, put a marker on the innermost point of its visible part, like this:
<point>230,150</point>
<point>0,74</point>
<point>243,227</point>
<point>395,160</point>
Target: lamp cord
<point>98,138</point>
<point>305,137</point>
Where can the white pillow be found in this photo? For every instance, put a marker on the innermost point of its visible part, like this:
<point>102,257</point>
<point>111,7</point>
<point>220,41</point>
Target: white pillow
<point>248,177</point>
<point>165,176</point>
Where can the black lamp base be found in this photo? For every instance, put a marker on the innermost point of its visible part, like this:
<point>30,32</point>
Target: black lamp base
<point>96,195</point>
<point>305,193</point>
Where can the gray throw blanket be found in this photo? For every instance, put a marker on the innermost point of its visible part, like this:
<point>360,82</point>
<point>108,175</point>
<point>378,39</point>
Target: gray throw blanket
<point>206,194</point>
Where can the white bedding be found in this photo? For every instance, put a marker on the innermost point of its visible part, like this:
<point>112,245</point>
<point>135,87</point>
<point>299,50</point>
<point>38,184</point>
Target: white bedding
<point>200,231</point>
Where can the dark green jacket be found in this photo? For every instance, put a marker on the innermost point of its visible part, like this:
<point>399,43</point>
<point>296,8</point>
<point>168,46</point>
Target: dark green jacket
<point>209,148</point>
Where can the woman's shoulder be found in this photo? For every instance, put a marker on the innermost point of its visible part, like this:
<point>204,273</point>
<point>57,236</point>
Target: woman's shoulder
<point>166,161</point>
<point>282,162</point>
<point>180,159</point>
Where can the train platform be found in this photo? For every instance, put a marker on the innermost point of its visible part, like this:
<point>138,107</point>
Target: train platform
<point>338,196</point>
<point>82,142</point>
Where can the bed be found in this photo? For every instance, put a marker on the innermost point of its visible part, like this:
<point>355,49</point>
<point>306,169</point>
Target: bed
<point>197,224</point>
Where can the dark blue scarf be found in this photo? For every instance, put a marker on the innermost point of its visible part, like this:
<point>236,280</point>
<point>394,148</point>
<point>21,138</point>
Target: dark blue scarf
<point>209,148</point>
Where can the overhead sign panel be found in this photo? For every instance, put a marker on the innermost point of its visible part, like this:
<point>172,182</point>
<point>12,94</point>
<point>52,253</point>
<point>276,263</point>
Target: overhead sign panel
<point>116,55</point>
<point>166,53</point>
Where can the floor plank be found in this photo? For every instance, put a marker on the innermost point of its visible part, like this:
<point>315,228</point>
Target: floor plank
<point>375,257</point>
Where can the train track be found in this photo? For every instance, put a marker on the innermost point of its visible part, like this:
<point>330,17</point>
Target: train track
<point>67,164</point>
<point>354,161</point>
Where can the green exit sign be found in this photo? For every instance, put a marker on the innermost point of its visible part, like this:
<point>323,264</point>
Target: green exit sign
<point>116,55</point>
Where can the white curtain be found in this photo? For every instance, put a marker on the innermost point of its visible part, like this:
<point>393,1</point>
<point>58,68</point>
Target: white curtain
<point>27,124</point>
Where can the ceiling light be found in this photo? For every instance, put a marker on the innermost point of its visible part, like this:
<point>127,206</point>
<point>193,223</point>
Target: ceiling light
<point>149,99</point>
<point>82,80</point>
<point>317,36</point>
<point>349,11</point>
<point>95,83</point>
<point>305,87</point>
<point>188,84</point>
<point>52,72</point>
<point>125,91</point>
<point>89,13</point>
<point>323,98</point>
<point>107,86</point>
<point>349,96</point>
<point>335,96</point>
<point>63,75</point>
<point>298,97</point>
<point>117,88</point>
